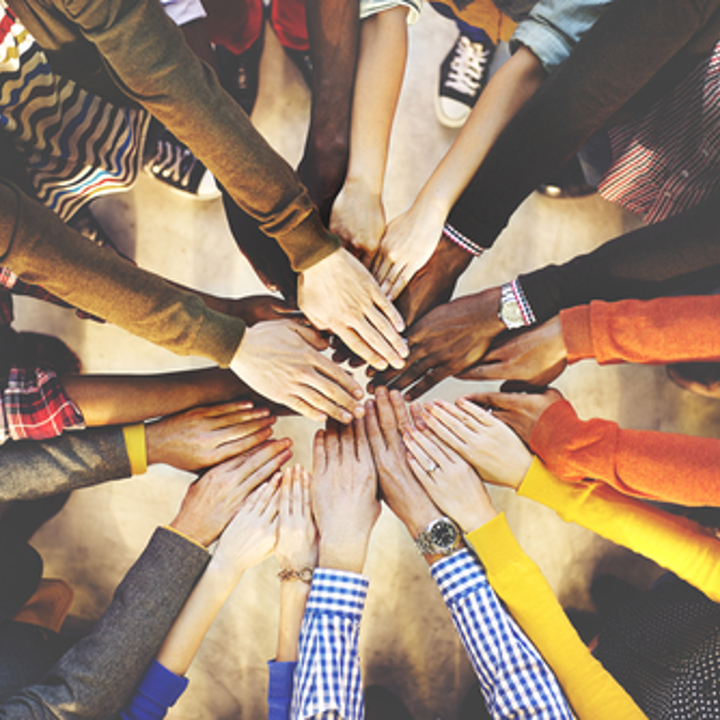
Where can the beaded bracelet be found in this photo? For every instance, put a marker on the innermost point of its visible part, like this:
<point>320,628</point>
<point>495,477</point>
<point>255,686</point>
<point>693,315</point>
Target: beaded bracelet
<point>306,575</point>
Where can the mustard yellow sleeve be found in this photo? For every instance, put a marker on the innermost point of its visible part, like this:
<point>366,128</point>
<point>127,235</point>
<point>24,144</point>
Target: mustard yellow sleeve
<point>590,689</point>
<point>136,448</point>
<point>676,543</point>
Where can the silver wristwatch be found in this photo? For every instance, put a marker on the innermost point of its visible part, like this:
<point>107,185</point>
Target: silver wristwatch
<point>510,311</point>
<point>440,537</point>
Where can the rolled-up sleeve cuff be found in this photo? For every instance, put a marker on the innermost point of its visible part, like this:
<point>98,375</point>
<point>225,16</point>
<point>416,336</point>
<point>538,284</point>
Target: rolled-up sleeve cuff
<point>577,333</point>
<point>337,591</point>
<point>457,575</point>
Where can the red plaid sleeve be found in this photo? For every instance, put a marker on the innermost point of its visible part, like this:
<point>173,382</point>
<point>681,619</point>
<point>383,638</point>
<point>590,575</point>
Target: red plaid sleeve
<point>34,406</point>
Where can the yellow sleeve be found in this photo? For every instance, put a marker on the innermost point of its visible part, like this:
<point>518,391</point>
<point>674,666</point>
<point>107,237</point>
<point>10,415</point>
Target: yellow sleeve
<point>676,543</point>
<point>590,689</point>
<point>136,448</point>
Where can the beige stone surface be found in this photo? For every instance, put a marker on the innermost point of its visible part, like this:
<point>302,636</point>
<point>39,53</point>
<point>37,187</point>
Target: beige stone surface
<point>407,639</point>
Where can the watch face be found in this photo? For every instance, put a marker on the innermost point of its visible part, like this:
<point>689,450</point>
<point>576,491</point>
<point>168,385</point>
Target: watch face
<point>443,534</point>
<point>511,313</point>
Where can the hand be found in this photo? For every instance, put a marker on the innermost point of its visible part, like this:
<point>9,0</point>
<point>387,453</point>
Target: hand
<point>435,282</point>
<point>261,308</point>
<point>212,500</point>
<point>450,481</point>
<point>447,341</point>
<point>205,436</point>
<point>536,356</point>
<point>519,410</point>
<point>344,495</point>
<point>297,545</point>
<point>281,360</point>
<point>384,419</point>
<point>251,535</point>
<point>491,447</point>
<point>340,295</point>
<point>358,219</point>
<point>408,243</point>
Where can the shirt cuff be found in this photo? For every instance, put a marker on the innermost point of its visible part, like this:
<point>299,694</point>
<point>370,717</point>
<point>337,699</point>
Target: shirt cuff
<point>577,333</point>
<point>458,575</point>
<point>337,591</point>
<point>159,688</point>
<point>496,546</point>
<point>281,678</point>
<point>184,536</point>
<point>461,240</point>
<point>136,448</point>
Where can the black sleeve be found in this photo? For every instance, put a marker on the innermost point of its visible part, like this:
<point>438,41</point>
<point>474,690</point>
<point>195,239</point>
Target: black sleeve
<point>679,255</point>
<point>628,45</point>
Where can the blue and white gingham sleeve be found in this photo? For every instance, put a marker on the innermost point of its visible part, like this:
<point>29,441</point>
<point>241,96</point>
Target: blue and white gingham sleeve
<point>327,678</point>
<point>514,678</point>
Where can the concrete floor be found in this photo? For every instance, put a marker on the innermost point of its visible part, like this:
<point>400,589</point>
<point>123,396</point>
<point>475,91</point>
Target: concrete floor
<point>407,642</point>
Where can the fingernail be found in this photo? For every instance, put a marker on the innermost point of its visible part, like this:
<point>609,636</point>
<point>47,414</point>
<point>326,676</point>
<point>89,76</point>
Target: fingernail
<point>398,363</point>
<point>380,365</point>
<point>405,350</point>
<point>358,393</point>
<point>346,417</point>
<point>359,412</point>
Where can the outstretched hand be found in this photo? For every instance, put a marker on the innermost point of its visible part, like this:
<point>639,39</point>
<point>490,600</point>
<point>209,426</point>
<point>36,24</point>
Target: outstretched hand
<point>519,410</point>
<point>340,295</point>
<point>536,356</point>
<point>491,447</point>
<point>205,436</point>
<point>282,361</point>
<point>448,340</point>
<point>214,499</point>
<point>344,495</point>
<point>297,546</point>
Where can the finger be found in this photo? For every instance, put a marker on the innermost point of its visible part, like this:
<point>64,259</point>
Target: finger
<point>374,432</point>
<point>432,446</point>
<point>359,345</point>
<point>417,414</point>
<point>347,444</point>
<point>379,332</point>
<point>421,475</point>
<point>494,400</point>
<point>381,267</point>
<point>418,365</point>
<point>311,336</point>
<point>386,417</point>
<point>297,491</point>
<point>264,494</point>
<point>431,378</point>
<point>340,379</point>
<point>383,304</point>
<point>400,282</point>
<point>485,371</point>
<point>450,429</point>
<point>285,498</point>
<point>314,397</point>
<point>332,447</point>
<point>241,418</point>
<point>258,462</point>
<point>265,471</point>
<point>305,487</point>
<point>462,420</point>
<point>237,432</point>
<point>228,407</point>
<point>364,453</point>
<point>241,445</point>
<point>400,408</point>
<point>416,450</point>
<point>304,408</point>
<point>319,454</point>
<point>484,417</point>
<point>391,276</point>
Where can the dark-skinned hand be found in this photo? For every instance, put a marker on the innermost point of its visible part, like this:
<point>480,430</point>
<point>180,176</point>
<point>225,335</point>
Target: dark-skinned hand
<point>536,356</point>
<point>259,308</point>
<point>447,341</point>
<point>519,410</point>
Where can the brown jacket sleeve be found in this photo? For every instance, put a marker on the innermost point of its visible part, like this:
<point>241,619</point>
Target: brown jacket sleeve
<point>146,55</point>
<point>666,330</point>
<point>643,463</point>
<point>38,247</point>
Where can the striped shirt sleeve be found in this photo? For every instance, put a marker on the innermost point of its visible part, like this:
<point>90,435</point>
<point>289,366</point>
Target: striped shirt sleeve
<point>514,678</point>
<point>327,681</point>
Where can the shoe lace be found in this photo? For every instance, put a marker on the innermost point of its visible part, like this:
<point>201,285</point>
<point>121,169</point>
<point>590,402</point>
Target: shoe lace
<point>467,66</point>
<point>170,162</point>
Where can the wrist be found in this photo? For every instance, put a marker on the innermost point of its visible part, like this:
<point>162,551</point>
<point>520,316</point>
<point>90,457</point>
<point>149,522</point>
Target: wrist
<point>343,555</point>
<point>471,521</point>
<point>365,183</point>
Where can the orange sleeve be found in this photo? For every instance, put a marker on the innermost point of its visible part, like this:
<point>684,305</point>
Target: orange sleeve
<point>665,330</point>
<point>658,466</point>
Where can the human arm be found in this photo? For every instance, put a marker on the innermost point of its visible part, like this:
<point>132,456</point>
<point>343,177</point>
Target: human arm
<point>245,542</point>
<point>499,456</point>
<point>333,32</point>
<point>345,506</point>
<point>411,238</point>
<point>458,490</point>
<point>579,98</point>
<point>358,215</point>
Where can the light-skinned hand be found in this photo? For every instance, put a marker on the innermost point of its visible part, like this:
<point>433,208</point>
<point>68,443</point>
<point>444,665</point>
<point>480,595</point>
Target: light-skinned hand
<point>205,436</point>
<point>344,495</point>
<point>385,419</point>
<point>251,535</point>
<point>536,356</point>
<point>490,446</point>
<point>214,499</point>
<point>358,219</point>
<point>519,410</point>
<point>447,341</point>
<point>408,243</point>
<point>282,361</point>
<point>297,545</point>
<point>450,481</point>
<point>340,295</point>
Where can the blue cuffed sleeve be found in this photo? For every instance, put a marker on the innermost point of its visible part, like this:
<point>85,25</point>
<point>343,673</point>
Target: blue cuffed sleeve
<point>158,691</point>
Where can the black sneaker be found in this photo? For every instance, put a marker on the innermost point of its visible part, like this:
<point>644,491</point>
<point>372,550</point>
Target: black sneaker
<point>463,76</point>
<point>239,74</point>
<point>175,165</point>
